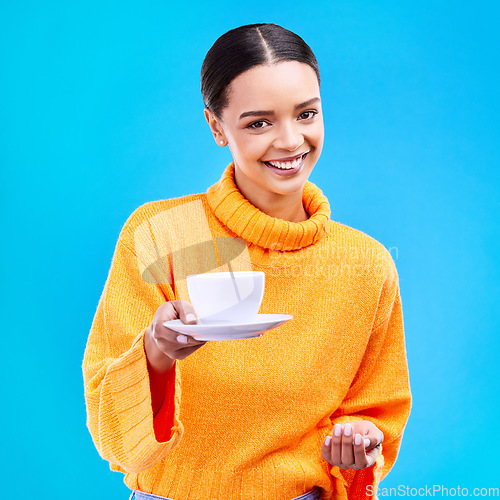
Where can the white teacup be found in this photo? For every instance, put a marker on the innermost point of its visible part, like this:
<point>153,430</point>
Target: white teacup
<point>226,297</point>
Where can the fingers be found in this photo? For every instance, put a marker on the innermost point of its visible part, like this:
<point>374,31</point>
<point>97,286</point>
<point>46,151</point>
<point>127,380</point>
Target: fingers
<point>372,455</point>
<point>332,447</point>
<point>177,346</point>
<point>170,338</point>
<point>372,435</point>
<point>172,343</point>
<point>337,444</point>
<point>373,441</point>
<point>162,345</point>
<point>326,450</point>
<point>381,438</point>
<point>347,449</point>
<point>184,311</point>
<point>174,309</point>
<point>360,458</point>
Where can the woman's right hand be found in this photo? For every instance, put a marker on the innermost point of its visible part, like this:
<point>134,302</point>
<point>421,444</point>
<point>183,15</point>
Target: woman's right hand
<point>162,345</point>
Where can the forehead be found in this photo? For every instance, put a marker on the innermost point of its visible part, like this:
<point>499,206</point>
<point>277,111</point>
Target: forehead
<point>268,86</point>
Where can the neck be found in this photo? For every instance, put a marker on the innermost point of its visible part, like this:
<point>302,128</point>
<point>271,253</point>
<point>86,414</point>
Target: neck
<point>237,214</point>
<point>288,206</point>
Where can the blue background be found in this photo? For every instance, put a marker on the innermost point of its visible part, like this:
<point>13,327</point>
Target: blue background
<point>100,112</point>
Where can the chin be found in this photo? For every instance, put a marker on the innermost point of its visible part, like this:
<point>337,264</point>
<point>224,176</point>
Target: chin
<point>292,187</point>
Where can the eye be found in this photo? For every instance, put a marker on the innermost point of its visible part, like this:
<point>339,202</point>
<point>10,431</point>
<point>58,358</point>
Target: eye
<point>258,125</point>
<point>308,115</point>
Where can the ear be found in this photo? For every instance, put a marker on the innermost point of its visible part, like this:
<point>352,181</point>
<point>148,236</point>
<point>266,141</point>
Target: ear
<point>216,127</point>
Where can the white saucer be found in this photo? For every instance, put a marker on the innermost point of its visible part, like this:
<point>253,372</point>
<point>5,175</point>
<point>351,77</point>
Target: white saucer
<point>229,331</point>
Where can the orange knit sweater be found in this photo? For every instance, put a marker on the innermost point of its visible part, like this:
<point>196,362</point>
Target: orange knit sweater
<point>246,419</point>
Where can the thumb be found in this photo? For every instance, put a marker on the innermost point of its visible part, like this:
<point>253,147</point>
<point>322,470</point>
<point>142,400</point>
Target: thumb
<point>184,311</point>
<point>190,317</point>
<point>371,441</point>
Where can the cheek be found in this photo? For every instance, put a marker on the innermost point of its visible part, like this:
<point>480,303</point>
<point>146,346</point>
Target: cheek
<point>319,133</point>
<point>252,148</point>
<point>317,139</point>
<point>320,141</point>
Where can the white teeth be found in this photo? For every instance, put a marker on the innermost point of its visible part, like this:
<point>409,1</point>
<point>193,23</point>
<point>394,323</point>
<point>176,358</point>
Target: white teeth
<point>287,165</point>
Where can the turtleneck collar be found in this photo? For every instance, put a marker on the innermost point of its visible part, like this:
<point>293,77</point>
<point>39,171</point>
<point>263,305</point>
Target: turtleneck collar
<point>254,226</point>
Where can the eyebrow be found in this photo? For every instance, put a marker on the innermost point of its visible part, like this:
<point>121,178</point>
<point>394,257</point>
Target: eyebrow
<point>264,113</point>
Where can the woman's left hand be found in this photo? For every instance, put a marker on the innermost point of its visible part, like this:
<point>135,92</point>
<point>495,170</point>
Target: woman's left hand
<point>354,445</point>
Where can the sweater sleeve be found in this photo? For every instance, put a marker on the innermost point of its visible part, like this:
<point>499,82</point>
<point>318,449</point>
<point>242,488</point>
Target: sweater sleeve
<point>380,393</point>
<point>117,386</point>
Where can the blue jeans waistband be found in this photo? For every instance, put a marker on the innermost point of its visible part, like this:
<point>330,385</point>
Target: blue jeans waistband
<point>314,494</point>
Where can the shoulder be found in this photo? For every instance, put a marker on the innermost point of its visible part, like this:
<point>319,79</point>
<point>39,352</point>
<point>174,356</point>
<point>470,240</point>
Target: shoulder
<point>156,212</point>
<point>358,247</point>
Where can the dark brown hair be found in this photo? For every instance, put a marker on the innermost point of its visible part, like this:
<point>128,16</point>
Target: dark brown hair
<point>243,48</point>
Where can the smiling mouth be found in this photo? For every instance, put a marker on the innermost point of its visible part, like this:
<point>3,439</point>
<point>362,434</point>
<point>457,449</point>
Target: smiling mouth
<point>287,163</point>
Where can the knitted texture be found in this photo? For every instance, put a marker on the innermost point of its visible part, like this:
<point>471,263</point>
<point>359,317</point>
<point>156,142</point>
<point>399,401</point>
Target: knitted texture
<point>246,419</point>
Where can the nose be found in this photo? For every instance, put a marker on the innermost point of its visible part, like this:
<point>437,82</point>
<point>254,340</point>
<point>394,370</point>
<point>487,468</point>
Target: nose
<point>289,137</point>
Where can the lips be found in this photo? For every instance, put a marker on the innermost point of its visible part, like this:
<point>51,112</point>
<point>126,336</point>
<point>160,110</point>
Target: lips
<point>287,168</point>
<point>287,159</point>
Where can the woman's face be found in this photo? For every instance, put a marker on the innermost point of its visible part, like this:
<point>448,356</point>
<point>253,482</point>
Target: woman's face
<point>273,125</point>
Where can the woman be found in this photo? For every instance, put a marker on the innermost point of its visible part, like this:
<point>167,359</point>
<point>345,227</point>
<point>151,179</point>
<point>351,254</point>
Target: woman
<point>315,408</point>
